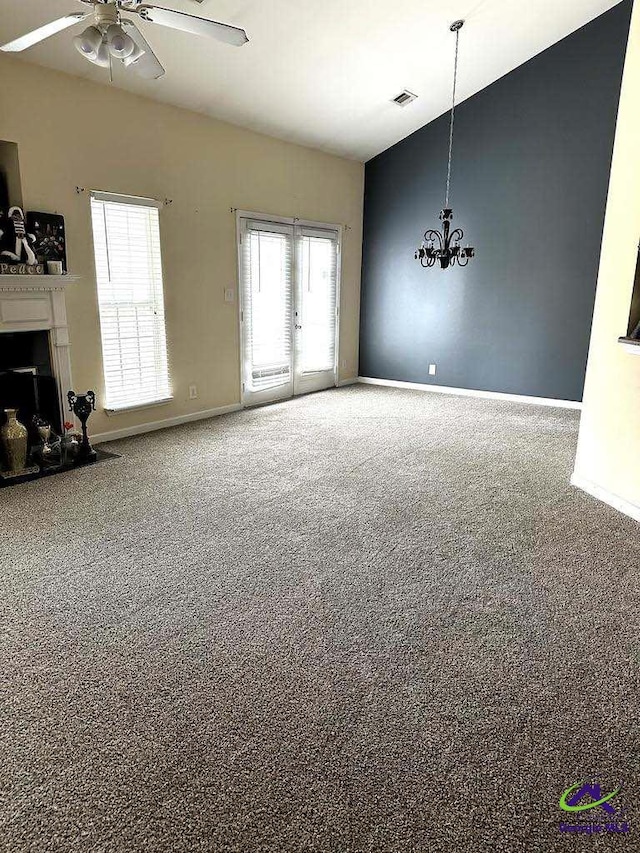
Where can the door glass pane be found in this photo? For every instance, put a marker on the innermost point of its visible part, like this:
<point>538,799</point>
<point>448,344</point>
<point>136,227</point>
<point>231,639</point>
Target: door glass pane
<point>317,288</point>
<point>267,301</point>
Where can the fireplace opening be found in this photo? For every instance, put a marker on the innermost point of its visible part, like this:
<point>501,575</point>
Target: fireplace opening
<point>27,382</point>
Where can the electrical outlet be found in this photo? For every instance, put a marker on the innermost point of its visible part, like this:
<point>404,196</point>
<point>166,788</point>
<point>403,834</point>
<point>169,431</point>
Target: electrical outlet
<point>193,392</point>
<point>432,370</point>
<point>343,363</point>
<point>229,294</point>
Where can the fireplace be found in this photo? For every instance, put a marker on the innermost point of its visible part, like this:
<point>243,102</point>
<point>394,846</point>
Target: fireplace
<point>27,382</point>
<point>35,368</point>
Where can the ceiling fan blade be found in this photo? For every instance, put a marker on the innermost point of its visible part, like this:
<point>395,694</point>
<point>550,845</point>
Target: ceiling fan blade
<point>145,64</point>
<point>193,24</point>
<point>42,33</point>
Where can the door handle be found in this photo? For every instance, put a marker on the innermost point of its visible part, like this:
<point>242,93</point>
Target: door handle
<point>298,327</point>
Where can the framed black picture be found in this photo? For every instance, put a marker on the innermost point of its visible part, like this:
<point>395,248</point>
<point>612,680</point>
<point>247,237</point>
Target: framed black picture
<point>50,236</point>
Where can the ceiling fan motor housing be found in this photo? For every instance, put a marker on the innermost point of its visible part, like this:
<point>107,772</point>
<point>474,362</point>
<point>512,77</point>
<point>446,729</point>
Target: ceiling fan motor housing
<point>106,14</point>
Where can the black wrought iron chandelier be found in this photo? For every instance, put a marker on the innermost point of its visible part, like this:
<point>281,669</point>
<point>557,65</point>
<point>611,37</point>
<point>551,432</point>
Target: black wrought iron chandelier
<point>444,247</point>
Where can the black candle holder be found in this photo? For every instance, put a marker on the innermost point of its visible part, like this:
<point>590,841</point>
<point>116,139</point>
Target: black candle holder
<point>82,405</point>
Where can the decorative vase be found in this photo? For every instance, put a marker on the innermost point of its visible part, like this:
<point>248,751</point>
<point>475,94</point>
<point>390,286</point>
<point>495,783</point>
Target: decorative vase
<point>14,440</point>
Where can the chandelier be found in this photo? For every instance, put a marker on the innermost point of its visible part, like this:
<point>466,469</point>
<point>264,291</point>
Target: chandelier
<point>444,247</point>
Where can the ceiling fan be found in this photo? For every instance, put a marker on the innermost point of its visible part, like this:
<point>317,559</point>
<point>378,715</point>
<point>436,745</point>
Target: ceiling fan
<point>114,36</point>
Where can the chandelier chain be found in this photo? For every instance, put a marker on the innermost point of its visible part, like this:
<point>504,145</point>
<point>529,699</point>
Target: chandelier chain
<point>453,113</point>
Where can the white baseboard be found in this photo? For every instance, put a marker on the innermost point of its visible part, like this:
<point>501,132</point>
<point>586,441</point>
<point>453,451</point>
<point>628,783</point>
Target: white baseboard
<point>468,392</point>
<point>621,504</point>
<point>112,435</point>
<point>353,381</point>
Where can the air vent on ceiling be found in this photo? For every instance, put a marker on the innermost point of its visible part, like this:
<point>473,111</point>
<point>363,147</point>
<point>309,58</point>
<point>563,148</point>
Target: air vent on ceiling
<point>404,98</point>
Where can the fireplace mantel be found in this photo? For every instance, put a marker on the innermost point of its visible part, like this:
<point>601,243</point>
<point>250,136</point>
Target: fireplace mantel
<point>36,282</point>
<point>31,303</point>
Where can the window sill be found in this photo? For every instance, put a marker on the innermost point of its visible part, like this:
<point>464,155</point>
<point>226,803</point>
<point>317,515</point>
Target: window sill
<point>136,408</point>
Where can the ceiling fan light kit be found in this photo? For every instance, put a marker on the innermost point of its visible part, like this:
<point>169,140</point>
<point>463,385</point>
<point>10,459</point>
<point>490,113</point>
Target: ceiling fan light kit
<point>120,44</point>
<point>134,56</point>
<point>113,37</point>
<point>89,42</point>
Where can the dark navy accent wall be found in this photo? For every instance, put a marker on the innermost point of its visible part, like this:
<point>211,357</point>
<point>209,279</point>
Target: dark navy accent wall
<point>531,168</point>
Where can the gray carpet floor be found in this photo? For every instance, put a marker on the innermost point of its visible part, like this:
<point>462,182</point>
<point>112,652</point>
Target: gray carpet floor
<point>365,621</point>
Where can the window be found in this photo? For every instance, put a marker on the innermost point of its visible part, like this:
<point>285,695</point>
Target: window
<point>126,238</point>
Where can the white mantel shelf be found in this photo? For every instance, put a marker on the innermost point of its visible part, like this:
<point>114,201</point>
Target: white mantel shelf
<point>36,282</point>
<point>631,345</point>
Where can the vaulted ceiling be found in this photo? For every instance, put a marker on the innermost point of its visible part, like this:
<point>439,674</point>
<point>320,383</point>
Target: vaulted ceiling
<point>323,72</point>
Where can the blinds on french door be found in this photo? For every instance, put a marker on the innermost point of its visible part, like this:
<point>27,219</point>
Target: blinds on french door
<point>129,277</point>
<point>318,271</point>
<point>267,305</point>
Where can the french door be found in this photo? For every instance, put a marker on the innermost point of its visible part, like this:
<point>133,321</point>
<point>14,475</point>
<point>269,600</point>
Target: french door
<point>288,309</point>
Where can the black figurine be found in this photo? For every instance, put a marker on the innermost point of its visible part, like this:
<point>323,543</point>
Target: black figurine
<point>82,405</point>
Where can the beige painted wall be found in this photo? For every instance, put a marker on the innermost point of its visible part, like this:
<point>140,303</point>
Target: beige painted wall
<point>72,132</point>
<point>609,444</point>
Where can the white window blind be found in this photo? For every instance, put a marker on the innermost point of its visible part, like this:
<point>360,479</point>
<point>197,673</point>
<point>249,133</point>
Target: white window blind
<point>267,304</point>
<point>126,235</point>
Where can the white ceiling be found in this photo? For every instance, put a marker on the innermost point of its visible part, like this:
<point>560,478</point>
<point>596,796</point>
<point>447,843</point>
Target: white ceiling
<point>323,72</point>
